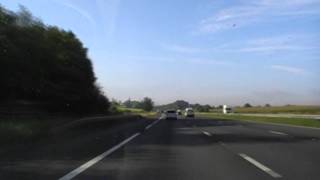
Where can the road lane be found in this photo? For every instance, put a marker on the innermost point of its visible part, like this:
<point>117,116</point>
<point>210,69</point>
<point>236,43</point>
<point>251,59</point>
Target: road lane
<point>55,156</point>
<point>174,150</point>
<point>183,149</point>
<point>295,155</point>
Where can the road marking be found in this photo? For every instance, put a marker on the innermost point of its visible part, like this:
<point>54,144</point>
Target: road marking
<point>260,166</point>
<point>279,124</point>
<point>278,133</point>
<point>207,133</point>
<point>152,124</point>
<point>222,143</point>
<point>148,127</point>
<point>93,161</point>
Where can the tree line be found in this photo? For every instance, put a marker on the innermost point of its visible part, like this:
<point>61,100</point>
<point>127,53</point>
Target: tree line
<point>181,104</point>
<point>46,64</point>
<point>146,104</point>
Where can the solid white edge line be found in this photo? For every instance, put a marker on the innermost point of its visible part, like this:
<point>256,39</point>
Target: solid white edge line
<point>152,124</point>
<point>260,166</point>
<point>93,161</point>
<point>148,127</point>
<point>278,133</point>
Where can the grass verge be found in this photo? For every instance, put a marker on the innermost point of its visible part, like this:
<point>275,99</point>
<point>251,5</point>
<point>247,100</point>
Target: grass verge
<point>20,130</point>
<point>137,112</point>
<point>292,109</point>
<point>280,120</point>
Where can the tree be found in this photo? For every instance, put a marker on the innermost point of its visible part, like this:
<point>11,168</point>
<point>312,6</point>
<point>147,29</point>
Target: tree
<point>147,104</point>
<point>267,105</point>
<point>127,103</point>
<point>46,64</point>
<point>181,104</point>
<point>247,105</point>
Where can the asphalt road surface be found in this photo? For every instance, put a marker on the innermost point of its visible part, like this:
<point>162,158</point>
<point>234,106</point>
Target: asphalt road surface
<point>204,149</point>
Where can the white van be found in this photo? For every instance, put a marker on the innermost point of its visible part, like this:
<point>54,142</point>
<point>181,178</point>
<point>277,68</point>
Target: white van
<point>227,109</point>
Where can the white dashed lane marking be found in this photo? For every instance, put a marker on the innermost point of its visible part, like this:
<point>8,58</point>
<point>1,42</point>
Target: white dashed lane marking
<point>207,133</point>
<point>278,133</point>
<point>260,166</point>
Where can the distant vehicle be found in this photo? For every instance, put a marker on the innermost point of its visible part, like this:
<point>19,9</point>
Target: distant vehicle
<point>227,109</point>
<point>171,115</point>
<point>189,112</point>
<point>179,113</point>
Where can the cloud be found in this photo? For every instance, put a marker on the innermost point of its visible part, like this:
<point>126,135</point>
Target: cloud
<point>78,10</point>
<point>202,61</point>
<point>289,69</point>
<point>183,49</point>
<point>108,10</point>
<point>256,11</point>
<point>288,42</point>
<point>196,61</point>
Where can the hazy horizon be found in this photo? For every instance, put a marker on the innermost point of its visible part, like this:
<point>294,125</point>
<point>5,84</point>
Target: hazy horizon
<point>208,52</point>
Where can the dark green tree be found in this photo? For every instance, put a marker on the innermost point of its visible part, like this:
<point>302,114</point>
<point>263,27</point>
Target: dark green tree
<point>147,104</point>
<point>46,64</point>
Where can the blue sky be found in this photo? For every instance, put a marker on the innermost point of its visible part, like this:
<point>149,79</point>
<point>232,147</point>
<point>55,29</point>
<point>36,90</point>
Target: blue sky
<point>208,51</point>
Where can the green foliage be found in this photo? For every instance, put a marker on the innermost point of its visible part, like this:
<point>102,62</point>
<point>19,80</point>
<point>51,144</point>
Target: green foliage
<point>147,104</point>
<point>179,104</point>
<point>132,104</point>
<point>46,64</point>
<point>247,105</point>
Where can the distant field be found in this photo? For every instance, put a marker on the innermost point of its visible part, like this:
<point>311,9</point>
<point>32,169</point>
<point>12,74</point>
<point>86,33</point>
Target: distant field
<point>281,120</point>
<point>281,109</point>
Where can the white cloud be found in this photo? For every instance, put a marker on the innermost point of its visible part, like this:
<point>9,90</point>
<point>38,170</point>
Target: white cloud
<point>289,69</point>
<point>78,10</point>
<point>289,42</point>
<point>287,3</point>
<point>256,11</point>
<point>196,61</point>
<point>201,61</point>
<point>108,10</point>
<point>183,49</point>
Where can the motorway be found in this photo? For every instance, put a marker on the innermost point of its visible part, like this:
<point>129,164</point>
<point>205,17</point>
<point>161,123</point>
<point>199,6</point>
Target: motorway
<point>195,149</point>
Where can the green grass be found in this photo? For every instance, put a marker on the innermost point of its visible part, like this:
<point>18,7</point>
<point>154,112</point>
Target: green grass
<point>281,120</point>
<point>22,130</point>
<point>292,109</point>
<point>137,111</point>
